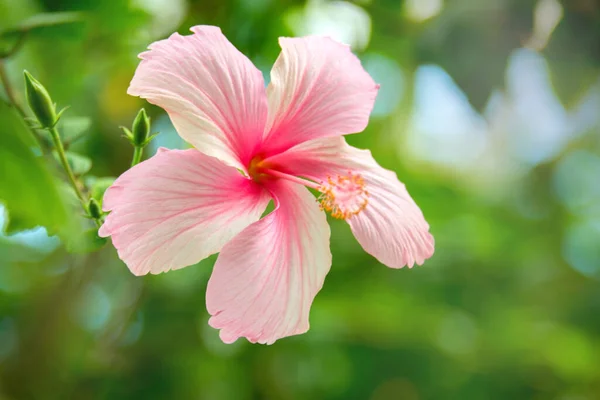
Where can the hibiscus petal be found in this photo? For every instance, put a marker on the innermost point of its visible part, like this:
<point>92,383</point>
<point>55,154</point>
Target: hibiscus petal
<point>214,95</point>
<point>391,227</point>
<point>318,88</point>
<point>266,278</point>
<point>177,208</point>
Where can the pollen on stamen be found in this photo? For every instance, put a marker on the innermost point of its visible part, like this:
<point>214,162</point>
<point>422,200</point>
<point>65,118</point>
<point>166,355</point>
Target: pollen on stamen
<point>343,196</point>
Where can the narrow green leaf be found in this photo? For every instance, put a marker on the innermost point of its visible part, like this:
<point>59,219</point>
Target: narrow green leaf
<point>45,20</point>
<point>27,189</point>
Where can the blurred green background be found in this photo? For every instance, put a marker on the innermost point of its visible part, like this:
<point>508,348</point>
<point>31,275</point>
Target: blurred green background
<point>489,110</point>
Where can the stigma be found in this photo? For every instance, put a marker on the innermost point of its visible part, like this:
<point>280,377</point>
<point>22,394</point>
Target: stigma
<point>343,196</point>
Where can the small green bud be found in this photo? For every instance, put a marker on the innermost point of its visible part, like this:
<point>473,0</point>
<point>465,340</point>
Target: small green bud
<point>93,209</point>
<point>40,102</point>
<point>140,129</point>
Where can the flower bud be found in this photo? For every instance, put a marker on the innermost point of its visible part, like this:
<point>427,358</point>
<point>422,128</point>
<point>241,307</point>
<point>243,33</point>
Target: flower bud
<point>140,129</point>
<point>93,209</point>
<point>40,102</point>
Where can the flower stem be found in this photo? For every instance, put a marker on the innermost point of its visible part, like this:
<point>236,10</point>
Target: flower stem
<point>137,155</point>
<point>65,164</point>
<point>60,150</point>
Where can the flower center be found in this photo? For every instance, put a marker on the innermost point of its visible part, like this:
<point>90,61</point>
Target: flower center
<point>256,169</point>
<point>343,196</point>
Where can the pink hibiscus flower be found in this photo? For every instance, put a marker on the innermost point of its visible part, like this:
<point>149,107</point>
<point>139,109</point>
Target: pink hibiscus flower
<point>252,145</point>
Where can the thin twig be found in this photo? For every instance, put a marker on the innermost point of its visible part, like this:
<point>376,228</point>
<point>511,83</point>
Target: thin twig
<point>9,90</point>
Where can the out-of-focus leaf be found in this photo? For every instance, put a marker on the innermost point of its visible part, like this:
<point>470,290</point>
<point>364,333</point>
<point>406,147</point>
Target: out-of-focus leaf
<point>464,38</point>
<point>571,80</point>
<point>79,164</point>
<point>27,188</point>
<point>573,56</point>
<point>73,128</point>
<point>87,242</point>
<point>45,20</point>
<point>98,186</point>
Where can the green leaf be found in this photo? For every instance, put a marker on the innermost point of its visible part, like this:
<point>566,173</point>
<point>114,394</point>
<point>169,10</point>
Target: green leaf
<point>573,57</point>
<point>27,189</point>
<point>98,186</point>
<point>87,242</point>
<point>44,20</point>
<point>79,164</point>
<point>73,128</point>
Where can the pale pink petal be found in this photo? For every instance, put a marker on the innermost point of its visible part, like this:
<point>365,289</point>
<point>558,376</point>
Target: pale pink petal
<point>266,278</point>
<point>391,227</point>
<point>177,208</point>
<point>318,88</point>
<point>214,95</point>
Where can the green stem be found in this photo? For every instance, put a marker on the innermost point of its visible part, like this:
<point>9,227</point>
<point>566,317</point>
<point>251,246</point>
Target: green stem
<point>137,155</point>
<point>65,164</point>
<point>60,150</point>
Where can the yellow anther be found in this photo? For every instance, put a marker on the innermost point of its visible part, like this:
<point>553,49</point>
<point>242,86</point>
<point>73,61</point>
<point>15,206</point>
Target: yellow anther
<point>344,195</point>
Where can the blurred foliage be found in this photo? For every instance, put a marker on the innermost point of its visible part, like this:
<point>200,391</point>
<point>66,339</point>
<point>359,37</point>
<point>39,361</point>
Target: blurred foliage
<point>28,188</point>
<point>490,113</point>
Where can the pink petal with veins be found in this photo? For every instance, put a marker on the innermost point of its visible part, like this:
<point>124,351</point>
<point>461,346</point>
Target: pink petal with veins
<point>177,208</point>
<point>266,278</point>
<point>214,95</point>
<point>318,88</point>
